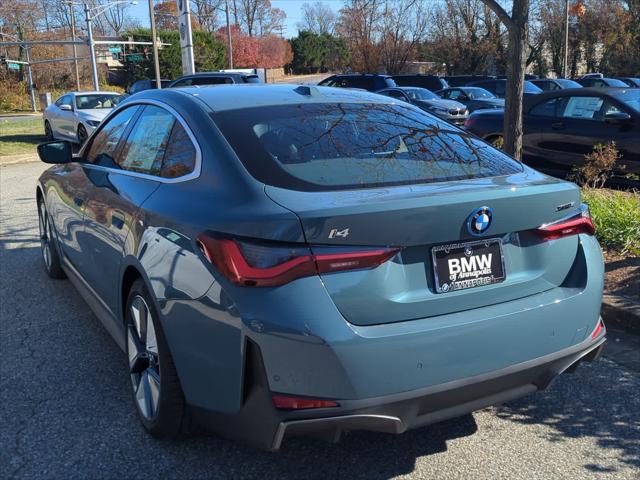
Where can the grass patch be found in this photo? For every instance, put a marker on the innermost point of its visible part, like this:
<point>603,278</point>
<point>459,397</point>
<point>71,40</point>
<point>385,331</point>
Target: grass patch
<point>616,215</point>
<point>20,136</point>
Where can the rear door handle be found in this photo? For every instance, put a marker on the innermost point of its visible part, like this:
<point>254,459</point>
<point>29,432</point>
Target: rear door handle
<point>557,125</point>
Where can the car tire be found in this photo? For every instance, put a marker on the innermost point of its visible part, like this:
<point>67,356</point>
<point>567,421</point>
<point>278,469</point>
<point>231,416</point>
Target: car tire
<point>48,133</point>
<point>157,393</point>
<point>82,135</point>
<point>48,244</point>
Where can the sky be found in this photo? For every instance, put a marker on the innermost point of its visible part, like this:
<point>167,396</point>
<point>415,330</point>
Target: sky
<point>293,9</point>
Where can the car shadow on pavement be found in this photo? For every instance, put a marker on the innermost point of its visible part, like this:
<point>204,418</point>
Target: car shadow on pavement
<point>580,407</point>
<point>69,411</point>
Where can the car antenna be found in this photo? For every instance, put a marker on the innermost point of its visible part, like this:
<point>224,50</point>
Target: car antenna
<point>307,90</point>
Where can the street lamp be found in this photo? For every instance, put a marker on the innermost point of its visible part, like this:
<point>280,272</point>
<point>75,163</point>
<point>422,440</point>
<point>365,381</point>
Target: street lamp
<point>90,14</point>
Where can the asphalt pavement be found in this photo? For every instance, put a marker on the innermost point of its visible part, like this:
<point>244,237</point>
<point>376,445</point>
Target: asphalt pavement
<point>66,410</point>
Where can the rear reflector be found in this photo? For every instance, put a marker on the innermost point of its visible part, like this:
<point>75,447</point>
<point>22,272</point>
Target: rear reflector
<point>294,403</point>
<point>255,264</point>
<point>599,328</point>
<point>580,223</point>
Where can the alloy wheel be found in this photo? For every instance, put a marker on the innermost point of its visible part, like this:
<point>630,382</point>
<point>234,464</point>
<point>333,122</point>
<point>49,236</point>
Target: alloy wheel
<point>45,244</point>
<point>144,359</point>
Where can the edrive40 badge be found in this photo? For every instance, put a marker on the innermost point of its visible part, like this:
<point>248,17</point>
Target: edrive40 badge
<point>479,221</point>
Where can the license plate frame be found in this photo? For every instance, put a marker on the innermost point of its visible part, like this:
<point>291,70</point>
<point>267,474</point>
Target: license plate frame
<point>459,250</point>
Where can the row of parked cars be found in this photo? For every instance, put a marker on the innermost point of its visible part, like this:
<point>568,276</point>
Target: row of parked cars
<point>563,119</point>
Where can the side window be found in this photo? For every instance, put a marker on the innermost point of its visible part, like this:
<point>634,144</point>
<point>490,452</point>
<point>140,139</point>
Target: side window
<point>395,94</point>
<point>183,83</point>
<point>180,155</point>
<point>144,148</point>
<point>359,82</point>
<point>211,80</point>
<point>64,100</point>
<point>453,94</point>
<point>587,108</point>
<point>104,143</point>
<point>608,108</point>
<point>550,108</point>
<point>599,83</point>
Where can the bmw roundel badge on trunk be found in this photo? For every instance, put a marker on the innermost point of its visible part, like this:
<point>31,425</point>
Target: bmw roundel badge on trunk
<point>479,221</point>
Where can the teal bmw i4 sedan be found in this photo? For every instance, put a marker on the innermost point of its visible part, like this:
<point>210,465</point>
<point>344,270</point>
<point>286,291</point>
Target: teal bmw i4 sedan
<point>292,260</point>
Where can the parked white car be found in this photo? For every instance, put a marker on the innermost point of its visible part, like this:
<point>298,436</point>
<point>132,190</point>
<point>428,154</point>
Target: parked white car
<point>75,115</point>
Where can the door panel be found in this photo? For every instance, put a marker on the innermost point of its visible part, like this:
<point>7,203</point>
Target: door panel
<point>66,195</point>
<point>114,200</point>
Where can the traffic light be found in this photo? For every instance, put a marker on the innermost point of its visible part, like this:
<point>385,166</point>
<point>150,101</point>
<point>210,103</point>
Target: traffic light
<point>3,59</point>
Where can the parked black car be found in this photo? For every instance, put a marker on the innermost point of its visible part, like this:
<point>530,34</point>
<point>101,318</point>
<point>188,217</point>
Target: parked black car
<point>475,98</point>
<point>561,127</point>
<point>449,110</point>
<point>364,81</point>
<point>601,82</point>
<point>214,78</point>
<point>461,80</point>
<point>551,84</point>
<point>498,87</point>
<point>632,82</point>
<point>430,82</point>
<point>146,84</point>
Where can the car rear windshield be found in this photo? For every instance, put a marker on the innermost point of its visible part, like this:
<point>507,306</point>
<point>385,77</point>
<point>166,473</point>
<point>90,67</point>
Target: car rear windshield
<point>333,146</point>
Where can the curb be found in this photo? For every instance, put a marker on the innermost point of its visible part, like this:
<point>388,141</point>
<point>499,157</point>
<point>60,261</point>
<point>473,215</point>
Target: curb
<point>16,159</point>
<point>622,312</point>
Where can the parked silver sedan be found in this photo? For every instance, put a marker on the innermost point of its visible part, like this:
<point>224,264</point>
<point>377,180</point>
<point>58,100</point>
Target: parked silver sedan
<point>75,115</point>
<point>449,110</point>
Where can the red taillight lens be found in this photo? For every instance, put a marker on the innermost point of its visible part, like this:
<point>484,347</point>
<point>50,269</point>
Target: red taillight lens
<point>252,264</point>
<point>295,403</point>
<point>580,223</point>
<point>596,331</point>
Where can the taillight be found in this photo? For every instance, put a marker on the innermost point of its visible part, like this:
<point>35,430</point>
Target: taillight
<point>574,225</point>
<point>257,264</point>
<point>285,402</point>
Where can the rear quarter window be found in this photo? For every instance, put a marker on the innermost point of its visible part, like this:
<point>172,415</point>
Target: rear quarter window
<point>328,146</point>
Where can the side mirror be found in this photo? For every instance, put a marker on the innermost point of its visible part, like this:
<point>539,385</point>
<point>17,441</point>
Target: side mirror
<point>618,118</point>
<point>65,107</point>
<point>56,152</point>
<point>463,98</point>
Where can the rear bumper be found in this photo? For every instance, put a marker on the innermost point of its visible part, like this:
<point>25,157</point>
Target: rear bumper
<point>261,425</point>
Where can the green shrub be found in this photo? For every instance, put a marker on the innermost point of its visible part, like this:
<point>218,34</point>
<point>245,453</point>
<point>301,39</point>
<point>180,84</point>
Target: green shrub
<point>616,215</point>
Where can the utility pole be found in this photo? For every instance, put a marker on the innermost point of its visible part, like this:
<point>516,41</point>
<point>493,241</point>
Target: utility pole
<point>154,40</point>
<point>75,52</point>
<point>230,53</point>
<point>565,64</point>
<point>25,47</point>
<point>92,48</point>
<point>30,76</point>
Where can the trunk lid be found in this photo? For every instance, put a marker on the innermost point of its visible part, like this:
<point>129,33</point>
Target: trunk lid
<point>420,217</point>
